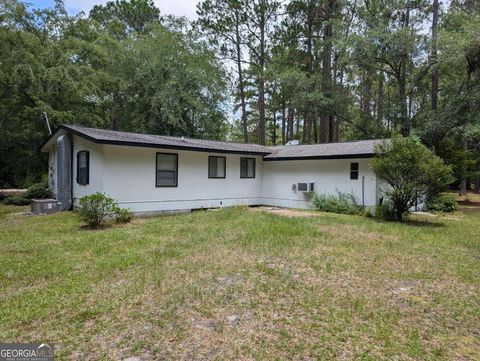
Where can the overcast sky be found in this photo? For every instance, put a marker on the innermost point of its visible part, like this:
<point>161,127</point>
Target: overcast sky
<point>176,7</point>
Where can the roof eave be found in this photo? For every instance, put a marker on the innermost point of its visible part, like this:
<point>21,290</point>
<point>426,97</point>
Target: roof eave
<point>315,157</point>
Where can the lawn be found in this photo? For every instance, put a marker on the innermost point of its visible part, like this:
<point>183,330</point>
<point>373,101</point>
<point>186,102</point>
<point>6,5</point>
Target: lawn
<point>237,284</point>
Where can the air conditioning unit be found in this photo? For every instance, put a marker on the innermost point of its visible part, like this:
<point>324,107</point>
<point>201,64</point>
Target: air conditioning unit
<point>306,187</point>
<point>44,206</point>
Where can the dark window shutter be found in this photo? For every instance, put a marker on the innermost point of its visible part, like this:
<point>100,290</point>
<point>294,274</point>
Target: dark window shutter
<point>78,166</point>
<point>87,173</point>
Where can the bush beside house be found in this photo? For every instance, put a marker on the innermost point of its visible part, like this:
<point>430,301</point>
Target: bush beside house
<point>412,172</point>
<point>96,207</point>
<point>340,203</point>
<point>444,203</point>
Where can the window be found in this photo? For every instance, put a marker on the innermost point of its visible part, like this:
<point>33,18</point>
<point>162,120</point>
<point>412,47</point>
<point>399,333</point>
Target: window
<point>167,170</point>
<point>216,167</point>
<point>353,170</point>
<point>247,167</point>
<point>83,167</point>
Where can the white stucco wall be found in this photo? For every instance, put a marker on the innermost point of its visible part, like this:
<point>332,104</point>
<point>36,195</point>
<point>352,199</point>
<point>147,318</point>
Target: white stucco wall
<point>97,168</point>
<point>128,175</point>
<point>130,178</point>
<point>329,177</point>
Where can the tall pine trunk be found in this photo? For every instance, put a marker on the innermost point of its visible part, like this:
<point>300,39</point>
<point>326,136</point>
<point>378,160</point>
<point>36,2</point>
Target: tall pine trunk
<point>241,85</point>
<point>284,122</point>
<point>402,84</point>
<point>291,119</point>
<point>434,56</point>
<point>261,81</point>
<point>380,99</point>
<point>325,121</point>
<point>463,179</point>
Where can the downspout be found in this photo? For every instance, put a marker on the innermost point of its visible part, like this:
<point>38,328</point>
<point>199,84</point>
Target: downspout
<point>71,173</point>
<point>363,191</point>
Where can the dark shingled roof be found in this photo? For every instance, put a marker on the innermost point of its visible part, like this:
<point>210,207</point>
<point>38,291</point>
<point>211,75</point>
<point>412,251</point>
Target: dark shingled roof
<point>358,149</point>
<point>161,141</point>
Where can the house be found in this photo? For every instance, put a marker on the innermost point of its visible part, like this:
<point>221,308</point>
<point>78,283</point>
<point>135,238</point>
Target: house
<point>154,173</point>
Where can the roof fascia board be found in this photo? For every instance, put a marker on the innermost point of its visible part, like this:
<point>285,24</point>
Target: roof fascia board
<point>340,156</point>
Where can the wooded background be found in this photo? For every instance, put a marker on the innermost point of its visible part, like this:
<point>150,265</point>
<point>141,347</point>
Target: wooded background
<point>258,71</point>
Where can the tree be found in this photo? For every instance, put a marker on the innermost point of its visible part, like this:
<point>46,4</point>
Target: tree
<point>223,22</point>
<point>411,171</point>
<point>391,42</point>
<point>133,14</point>
<point>160,80</point>
<point>259,18</point>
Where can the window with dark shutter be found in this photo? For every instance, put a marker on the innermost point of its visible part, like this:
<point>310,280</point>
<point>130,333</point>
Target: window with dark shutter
<point>217,167</point>
<point>83,167</point>
<point>353,170</point>
<point>247,167</point>
<point>167,170</point>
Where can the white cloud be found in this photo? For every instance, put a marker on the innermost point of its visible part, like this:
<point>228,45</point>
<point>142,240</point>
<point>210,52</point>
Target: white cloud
<point>176,7</point>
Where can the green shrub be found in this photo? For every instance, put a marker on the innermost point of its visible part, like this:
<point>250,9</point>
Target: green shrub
<point>94,208</point>
<point>411,172</point>
<point>122,215</point>
<point>386,211</point>
<point>442,203</point>
<point>340,203</point>
<point>38,191</point>
<point>16,201</point>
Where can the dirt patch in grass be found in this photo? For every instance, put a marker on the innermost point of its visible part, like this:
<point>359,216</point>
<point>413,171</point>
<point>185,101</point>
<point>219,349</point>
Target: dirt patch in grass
<point>291,213</point>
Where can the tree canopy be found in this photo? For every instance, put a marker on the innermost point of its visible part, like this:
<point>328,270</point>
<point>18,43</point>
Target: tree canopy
<point>120,68</point>
<point>259,71</point>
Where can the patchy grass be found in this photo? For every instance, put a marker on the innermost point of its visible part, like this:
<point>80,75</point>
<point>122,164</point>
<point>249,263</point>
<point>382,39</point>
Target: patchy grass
<point>326,287</point>
<point>470,197</point>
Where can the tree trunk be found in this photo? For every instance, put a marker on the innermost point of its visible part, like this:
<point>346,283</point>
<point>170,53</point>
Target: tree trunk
<point>291,119</point>
<point>274,130</point>
<point>261,111</point>
<point>405,122</point>
<point>463,179</point>
<point>434,56</point>
<point>402,85</point>
<point>309,112</point>
<point>261,81</point>
<point>284,122</point>
<point>337,129</point>
<point>113,114</point>
<point>297,127</point>
<point>241,85</point>
<point>323,136</point>
<point>367,86</point>
<point>380,99</point>
<point>331,128</point>
<point>304,133</point>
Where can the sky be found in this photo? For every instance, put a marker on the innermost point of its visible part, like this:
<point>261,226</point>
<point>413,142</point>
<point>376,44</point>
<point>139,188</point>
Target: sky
<point>176,7</point>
